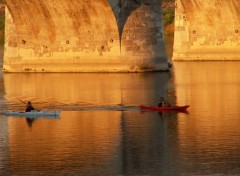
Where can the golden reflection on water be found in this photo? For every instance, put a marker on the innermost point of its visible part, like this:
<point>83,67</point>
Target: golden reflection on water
<point>114,142</point>
<point>208,86</point>
<point>74,138</point>
<point>87,139</point>
<point>212,89</point>
<point>84,89</point>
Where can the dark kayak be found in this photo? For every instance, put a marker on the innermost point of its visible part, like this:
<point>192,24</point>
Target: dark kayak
<point>172,108</point>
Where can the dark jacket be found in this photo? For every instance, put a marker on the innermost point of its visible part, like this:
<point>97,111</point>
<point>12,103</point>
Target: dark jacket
<point>29,108</point>
<point>160,104</point>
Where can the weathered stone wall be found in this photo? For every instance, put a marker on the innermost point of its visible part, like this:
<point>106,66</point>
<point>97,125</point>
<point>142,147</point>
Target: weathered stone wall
<point>84,36</point>
<point>207,30</point>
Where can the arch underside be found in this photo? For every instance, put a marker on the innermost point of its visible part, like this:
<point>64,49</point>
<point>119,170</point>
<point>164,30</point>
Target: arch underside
<point>207,30</point>
<point>81,36</point>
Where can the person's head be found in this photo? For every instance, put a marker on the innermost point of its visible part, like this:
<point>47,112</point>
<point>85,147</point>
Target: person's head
<point>29,103</point>
<point>161,99</point>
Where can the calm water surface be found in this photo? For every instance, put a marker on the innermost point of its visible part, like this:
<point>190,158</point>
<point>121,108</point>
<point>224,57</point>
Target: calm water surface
<point>101,130</point>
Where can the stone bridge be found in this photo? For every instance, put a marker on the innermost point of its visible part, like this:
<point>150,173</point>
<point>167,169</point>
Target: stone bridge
<point>115,35</point>
<point>84,36</point>
<point>207,30</point>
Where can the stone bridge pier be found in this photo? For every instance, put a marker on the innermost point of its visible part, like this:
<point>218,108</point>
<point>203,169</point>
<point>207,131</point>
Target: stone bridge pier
<point>84,36</point>
<point>207,30</point>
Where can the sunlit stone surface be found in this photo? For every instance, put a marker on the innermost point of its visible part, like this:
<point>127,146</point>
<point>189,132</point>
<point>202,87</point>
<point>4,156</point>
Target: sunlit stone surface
<point>207,30</point>
<point>84,36</point>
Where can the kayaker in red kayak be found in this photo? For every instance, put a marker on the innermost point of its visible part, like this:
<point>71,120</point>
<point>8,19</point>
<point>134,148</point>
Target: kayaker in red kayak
<point>163,103</point>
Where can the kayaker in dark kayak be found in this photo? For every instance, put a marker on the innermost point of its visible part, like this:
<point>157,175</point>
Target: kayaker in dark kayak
<point>163,103</point>
<point>29,107</point>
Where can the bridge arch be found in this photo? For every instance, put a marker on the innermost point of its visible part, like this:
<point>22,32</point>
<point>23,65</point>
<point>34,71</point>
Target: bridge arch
<point>81,36</point>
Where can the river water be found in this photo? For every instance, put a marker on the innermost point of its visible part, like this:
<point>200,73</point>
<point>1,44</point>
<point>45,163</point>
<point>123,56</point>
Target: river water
<point>101,130</point>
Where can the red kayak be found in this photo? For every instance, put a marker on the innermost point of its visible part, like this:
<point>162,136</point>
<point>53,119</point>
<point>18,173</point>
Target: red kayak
<point>172,108</point>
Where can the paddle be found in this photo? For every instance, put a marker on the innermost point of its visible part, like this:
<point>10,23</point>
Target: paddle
<point>22,101</point>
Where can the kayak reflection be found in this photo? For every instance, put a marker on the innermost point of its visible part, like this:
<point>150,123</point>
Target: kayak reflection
<point>30,121</point>
<point>33,115</point>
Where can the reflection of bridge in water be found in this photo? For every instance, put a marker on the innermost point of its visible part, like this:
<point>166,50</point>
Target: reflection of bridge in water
<point>85,90</point>
<point>131,149</point>
<point>137,141</point>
